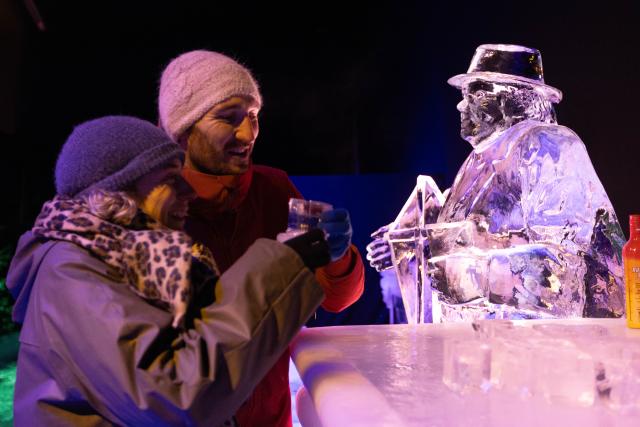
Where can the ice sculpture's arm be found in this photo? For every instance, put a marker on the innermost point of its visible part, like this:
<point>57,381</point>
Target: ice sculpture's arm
<point>379,251</point>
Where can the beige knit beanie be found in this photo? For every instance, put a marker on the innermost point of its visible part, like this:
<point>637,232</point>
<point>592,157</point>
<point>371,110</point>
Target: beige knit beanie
<point>194,82</point>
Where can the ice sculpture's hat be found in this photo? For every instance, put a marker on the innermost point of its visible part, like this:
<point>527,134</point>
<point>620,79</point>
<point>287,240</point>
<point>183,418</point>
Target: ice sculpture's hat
<point>507,63</point>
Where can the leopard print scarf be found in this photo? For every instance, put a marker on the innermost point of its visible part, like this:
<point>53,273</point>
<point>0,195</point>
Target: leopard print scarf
<point>158,263</point>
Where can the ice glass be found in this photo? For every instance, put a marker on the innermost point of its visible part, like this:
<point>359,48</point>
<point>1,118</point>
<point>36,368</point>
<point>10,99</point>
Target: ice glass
<point>563,372</point>
<point>608,358</point>
<point>512,350</point>
<point>509,367</point>
<point>467,365</point>
<point>304,215</point>
<point>618,376</point>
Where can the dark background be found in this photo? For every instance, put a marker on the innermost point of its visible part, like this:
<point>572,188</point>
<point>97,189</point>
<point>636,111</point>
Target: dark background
<point>355,90</point>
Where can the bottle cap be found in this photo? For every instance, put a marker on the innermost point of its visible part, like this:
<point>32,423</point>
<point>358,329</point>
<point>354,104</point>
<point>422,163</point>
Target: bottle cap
<point>634,221</point>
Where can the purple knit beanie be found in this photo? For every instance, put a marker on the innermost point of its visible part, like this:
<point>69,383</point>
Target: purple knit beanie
<point>111,153</point>
<point>194,82</point>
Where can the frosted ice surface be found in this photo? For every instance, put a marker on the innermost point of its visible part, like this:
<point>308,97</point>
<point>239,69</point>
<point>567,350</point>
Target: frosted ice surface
<point>467,365</point>
<point>450,374</point>
<point>558,363</point>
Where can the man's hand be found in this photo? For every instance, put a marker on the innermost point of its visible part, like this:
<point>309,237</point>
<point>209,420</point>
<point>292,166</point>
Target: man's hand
<point>337,224</point>
<point>379,251</point>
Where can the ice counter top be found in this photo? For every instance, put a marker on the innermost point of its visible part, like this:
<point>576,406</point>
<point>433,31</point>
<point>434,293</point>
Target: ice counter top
<point>495,373</point>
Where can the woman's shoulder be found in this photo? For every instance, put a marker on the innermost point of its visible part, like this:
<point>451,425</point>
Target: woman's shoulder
<point>68,262</point>
<point>64,252</point>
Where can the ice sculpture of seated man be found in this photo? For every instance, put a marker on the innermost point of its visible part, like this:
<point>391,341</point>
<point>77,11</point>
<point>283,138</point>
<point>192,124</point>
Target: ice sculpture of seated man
<point>527,229</point>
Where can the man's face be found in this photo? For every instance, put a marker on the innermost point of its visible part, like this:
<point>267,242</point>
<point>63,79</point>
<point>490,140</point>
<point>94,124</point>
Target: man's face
<point>221,142</point>
<point>480,112</point>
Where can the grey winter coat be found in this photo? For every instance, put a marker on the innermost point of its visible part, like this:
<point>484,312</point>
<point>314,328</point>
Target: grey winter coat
<point>93,353</point>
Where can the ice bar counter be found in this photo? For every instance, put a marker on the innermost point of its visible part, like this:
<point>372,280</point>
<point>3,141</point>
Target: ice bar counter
<point>566,372</point>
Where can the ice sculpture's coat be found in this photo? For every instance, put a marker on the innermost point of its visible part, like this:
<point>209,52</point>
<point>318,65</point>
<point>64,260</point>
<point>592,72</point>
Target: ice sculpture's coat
<point>548,233</point>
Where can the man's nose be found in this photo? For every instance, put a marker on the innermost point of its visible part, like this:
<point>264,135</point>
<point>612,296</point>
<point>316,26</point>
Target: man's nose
<point>462,106</point>
<point>247,131</point>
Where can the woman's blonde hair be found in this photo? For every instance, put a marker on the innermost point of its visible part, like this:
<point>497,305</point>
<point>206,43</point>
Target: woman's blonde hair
<point>114,206</point>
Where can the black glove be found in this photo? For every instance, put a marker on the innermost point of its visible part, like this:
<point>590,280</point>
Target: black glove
<point>312,248</point>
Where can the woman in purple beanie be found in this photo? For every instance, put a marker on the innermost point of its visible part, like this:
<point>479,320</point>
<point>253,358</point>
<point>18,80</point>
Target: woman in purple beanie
<point>125,320</point>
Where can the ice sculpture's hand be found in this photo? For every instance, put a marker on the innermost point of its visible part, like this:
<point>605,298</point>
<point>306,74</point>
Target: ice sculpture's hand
<point>312,248</point>
<point>337,225</point>
<point>379,251</point>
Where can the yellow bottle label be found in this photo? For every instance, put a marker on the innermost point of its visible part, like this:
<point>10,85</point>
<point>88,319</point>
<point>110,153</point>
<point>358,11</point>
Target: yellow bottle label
<point>632,289</point>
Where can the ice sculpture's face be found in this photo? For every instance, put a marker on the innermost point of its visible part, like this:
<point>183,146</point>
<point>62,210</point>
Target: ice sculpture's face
<point>480,112</point>
<point>490,107</point>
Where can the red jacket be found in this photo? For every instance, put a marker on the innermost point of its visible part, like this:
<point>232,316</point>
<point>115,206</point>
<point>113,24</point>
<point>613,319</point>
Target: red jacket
<point>260,209</point>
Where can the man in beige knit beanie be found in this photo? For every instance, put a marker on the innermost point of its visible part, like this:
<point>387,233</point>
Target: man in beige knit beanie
<point>209,104</point>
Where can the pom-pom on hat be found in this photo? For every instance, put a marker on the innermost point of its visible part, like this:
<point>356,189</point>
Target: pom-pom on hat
<point>111,153</point>
<point>196,81</point>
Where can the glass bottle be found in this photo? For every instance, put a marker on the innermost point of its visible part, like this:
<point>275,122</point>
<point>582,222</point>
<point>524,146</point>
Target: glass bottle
<point>631,259</point>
